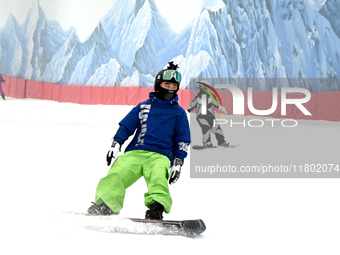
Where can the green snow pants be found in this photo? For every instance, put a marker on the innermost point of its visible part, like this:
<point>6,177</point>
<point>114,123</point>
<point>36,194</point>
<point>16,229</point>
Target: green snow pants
<point>126,170</point>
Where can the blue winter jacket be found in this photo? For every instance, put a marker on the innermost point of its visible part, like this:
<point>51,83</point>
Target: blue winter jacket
<point>161,126</point>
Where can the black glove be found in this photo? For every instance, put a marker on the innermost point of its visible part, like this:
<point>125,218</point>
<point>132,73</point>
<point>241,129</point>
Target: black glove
<point>175,170</point>
<point>112,153</point>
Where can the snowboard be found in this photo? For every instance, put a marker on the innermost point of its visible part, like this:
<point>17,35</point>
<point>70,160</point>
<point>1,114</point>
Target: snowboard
<point>176,227</point>
<point>116,224</point>
<point>200,147</point>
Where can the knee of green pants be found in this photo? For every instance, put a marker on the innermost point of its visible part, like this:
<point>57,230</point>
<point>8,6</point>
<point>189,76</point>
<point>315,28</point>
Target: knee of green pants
<point>111,191</point>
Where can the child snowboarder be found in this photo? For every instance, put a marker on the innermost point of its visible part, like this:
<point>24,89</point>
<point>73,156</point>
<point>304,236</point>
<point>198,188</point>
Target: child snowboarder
<point>161,140</point>
<point>206,121</point>
<point>1,91</point>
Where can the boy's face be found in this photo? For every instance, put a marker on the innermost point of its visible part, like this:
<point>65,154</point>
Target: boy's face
<point>169,85</point>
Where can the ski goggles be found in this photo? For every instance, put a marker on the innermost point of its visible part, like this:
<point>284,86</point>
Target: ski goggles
<point>169,74</point>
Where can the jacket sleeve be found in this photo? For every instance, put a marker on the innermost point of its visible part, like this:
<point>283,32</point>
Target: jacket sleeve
<point>127,126</point>
<point>182,137</point>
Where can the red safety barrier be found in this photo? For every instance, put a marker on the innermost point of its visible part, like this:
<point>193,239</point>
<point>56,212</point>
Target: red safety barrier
<point>180,96</point>
<point>132,95</point>
<point>311,106</point>
<point>263,100</point>
<point>21,88</point>
<point>11,85</point>
<point>34,89</point>
<point>86,94</point>
<point>70,94</point>
<point>46,91</point>
<point>322,105</point>
<point>108,94</point>
<point>96,95</point>
<point>120,96</point>
<point>5,85</point>
<point>56,92</point>
<point>144,93</point>
<point>328,106</point>
<point>185,99</point>
<point>16,87</point>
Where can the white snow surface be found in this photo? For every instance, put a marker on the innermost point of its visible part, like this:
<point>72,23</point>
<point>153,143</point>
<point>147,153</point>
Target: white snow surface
<point>53,155</point>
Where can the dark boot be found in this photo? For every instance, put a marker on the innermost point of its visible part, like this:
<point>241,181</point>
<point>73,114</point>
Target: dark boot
<point>101,209</point>
<point>225,145</point>
<point>208,144</point>
<point>155,212</point>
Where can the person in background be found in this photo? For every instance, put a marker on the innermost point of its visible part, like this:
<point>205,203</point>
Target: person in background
<point>1,91</point>
<point>206,121</point>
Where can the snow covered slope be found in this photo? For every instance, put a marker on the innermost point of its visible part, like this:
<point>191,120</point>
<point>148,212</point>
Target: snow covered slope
<point>53,155</point>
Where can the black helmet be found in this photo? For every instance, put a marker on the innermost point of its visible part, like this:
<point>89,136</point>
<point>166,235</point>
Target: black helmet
<point>168,74</point>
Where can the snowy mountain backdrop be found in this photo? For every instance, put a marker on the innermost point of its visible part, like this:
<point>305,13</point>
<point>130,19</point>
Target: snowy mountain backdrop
<point>229,39</point>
